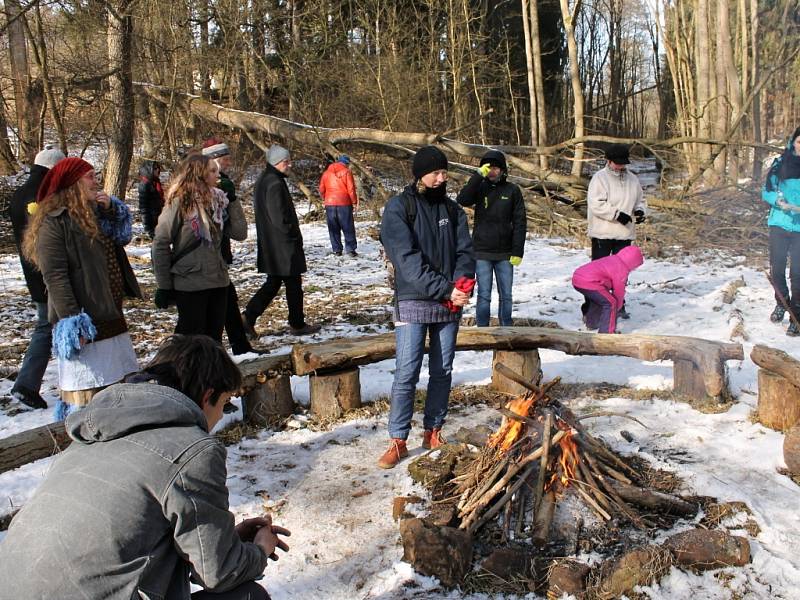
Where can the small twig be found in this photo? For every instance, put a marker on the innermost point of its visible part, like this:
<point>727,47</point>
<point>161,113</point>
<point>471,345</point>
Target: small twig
<point>608,413</point>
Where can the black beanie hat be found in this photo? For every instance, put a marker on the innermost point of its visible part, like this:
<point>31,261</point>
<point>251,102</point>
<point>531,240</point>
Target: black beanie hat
<point>496,159</point>
<point>427,160</point>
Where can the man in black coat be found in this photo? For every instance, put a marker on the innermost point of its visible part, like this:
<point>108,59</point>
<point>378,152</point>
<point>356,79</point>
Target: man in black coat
<point>34,364</point>
<point>280,245</point>
<point>498,235</point>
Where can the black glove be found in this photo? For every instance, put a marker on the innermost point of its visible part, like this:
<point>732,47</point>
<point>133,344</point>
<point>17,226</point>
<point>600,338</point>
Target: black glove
<point>639,214</point>
<point>624,218</point>
<point>163,298</point>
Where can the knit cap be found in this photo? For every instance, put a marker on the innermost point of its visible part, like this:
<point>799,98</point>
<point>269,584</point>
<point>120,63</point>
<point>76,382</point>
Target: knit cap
<point>65,173</point>
<point>48,157</point>
<point>344,159</point>
<point>495,158</point>
<point>215,147</point>
<point>427,160</point>
<point>276,154</point>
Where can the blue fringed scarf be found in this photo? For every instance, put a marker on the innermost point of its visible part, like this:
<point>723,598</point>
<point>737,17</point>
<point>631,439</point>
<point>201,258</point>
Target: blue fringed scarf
<point>68,332</point>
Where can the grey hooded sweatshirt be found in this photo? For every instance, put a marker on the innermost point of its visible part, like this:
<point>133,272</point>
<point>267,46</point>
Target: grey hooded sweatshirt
<point>133,507</point>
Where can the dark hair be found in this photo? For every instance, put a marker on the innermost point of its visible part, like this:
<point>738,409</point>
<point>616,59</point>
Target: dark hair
<point>193,364</point>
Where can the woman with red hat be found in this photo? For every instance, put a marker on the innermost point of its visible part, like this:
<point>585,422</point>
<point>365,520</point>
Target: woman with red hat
<point>76,238</point>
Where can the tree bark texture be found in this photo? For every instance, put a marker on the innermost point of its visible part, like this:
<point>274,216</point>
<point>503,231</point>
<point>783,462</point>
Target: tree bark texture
<point>269,401</point>
<point>333,394</point>
<point>778,401</point>
<point>22,448</point>
<point>526,363</point>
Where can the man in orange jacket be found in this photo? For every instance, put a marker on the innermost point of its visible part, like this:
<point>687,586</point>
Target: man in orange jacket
<point>338,191</point>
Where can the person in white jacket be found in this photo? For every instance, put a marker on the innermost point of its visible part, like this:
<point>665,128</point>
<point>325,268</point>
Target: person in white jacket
<point>615,206</point>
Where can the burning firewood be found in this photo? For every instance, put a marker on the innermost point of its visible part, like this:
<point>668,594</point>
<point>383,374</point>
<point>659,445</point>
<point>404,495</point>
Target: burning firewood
<point>540,452</point>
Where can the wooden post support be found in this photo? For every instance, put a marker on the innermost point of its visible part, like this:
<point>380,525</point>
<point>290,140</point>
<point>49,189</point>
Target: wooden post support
<point>778,401</point>
<point>334,393</point>
<point>269,400</point>
<point>524,362</point>
<point>688,379</point>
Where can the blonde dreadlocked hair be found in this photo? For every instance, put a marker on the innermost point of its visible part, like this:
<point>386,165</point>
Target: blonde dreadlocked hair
<point>80,207</point>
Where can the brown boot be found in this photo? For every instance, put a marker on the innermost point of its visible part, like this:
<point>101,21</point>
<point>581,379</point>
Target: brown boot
<point>433,438</point>
<point>397,450</point>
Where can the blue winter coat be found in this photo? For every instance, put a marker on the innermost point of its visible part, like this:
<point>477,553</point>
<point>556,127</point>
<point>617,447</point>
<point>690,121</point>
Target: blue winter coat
<point>429,255</point>
<point>790,188</point>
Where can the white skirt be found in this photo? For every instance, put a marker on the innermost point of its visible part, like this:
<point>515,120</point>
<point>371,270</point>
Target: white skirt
<point>98,364</point>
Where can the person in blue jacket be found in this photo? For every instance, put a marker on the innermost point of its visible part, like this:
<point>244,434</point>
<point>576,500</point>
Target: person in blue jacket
<point>426,238</point>
<point>782,192</point>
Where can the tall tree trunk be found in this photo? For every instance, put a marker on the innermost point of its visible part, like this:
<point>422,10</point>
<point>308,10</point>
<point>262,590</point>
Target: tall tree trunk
<point>703,76</point>
<point>575,79</point>
<point>758,155</point>
<point>8,164</point>
<point>27,108</point>
<point>534,139</point>
<point>538,75</point>
<point>734,91</point>
<point>120,95</point>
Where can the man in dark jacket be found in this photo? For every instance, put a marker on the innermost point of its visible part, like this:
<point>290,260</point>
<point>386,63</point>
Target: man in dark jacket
<point>218,150</point>
<point>280,245</point>
<point>137,505</point>
<point>34,364</point>
<point>498,234</point>
<point>151,195</point>
<point>426,237</point>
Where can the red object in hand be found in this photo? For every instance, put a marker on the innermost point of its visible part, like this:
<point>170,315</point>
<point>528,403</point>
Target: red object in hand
<point>463,284</point>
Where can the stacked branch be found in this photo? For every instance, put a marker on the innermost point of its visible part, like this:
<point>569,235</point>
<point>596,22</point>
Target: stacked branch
<point>539,452</point>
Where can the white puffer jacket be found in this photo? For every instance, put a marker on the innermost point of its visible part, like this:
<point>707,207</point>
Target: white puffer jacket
<point>610,193</point>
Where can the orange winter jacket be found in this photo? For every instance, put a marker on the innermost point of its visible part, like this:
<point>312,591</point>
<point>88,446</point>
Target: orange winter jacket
<point>337,186</point>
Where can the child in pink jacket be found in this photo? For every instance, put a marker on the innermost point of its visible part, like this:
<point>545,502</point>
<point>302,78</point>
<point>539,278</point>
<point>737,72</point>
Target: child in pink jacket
<point>602,282</point>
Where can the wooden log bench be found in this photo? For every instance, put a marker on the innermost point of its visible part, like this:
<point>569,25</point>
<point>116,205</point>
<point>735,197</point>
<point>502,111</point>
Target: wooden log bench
<point>778,388</point>
<point>698,365</point>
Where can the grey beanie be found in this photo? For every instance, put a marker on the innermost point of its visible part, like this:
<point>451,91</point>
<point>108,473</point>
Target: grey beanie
<point>48,157</point>
<point>276,154</point>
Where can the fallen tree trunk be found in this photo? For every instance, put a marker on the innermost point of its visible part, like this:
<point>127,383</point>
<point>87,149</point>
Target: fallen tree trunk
<point>28,446</point>
<point>707,356</point>
<point>654,500</point>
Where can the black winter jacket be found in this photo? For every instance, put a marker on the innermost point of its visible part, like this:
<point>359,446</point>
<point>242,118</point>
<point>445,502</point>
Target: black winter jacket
<point>430,254</point>
<point>151,200</point>
<point>18,210</point>
<point>500,220</point>
<point>280,243</point>
<point>227,186</point>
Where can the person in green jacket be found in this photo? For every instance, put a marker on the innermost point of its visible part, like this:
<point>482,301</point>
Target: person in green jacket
<point>782,192</point>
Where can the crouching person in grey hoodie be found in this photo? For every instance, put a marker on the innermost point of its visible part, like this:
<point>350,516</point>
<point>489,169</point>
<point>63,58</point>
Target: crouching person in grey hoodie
<point>137,506</point>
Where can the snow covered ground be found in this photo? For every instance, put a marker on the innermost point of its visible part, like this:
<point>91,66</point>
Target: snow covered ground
<point>325,487</point>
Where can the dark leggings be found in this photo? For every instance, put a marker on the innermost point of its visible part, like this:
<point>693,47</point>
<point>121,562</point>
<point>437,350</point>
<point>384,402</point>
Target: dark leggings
<point>602,248</point>
<point>202,312</point>
<point>782,245</point>
<point>247,591</point>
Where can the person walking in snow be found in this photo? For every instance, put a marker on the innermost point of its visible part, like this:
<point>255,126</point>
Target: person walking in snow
<point>137,506</point>
<point>498,233</point>
<point>280,245</point>
<point>602,283</point>
<point>338,191</point>
<point>76,238</point>
<point>782,192</point>
<point>151,195</point>
<point>218,151</point>
<point>426,237</point>
<point>34,364</point>
<point>186,257</point>
<point>615,206</point>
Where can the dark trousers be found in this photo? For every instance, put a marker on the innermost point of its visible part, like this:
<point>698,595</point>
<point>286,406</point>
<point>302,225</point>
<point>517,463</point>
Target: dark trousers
<point>340,220</point>
<point>233,324</point>
<point>602,248</point>
<point>247,591</point>
<point>267,292</point>
<point>202,312</point>
<point>782,245</point>
<point>599,310</point>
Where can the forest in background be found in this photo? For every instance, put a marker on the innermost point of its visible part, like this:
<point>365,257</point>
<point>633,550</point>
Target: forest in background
<point>703,84</point>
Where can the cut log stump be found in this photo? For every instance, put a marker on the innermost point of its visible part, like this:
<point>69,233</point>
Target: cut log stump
<point>688,380</point>
<point>791,451</point>
<point>778,401</point>
<point>269,400</point>
<point>334,393</point>
<point>525,363</point>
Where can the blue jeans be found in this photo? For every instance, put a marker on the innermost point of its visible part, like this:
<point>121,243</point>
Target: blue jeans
<point>503,271</point>
<point>340,220</point>
<point>410,350</point>
<point>34,364</point>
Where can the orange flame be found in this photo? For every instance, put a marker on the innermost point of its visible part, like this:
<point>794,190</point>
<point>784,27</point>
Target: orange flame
<point>568,461</point>
<point>511,429</point>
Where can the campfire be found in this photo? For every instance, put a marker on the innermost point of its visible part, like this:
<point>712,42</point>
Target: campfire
<point>540,451</point>
<point>542,489</point>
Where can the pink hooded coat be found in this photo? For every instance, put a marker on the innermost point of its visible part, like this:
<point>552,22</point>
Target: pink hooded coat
<point>609,275</point>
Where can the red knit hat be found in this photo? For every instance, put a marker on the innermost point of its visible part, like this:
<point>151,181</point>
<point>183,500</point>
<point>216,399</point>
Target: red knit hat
<point>60,177</point>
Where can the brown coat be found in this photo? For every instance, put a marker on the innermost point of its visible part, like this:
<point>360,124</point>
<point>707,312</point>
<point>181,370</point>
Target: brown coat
<point>76,273</point>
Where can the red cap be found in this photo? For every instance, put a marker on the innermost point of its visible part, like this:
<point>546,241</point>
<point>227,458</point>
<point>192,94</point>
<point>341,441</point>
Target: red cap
<point>64,174</point>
